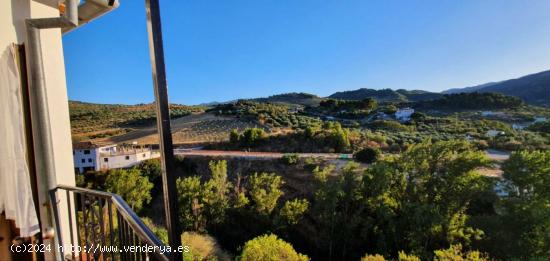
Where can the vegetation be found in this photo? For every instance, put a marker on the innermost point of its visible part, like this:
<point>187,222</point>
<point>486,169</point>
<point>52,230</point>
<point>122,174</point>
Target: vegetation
<point>265,191</point>
<point>293,99</point>
<point>269,247</point>
<point>531,88</point>
<point>89,120</point>
<point>268,114</point>
<point>131,185</point>
<point>386,95</point>
<point>367,155</point>
<point>525,212</point>
<point>290,159</point>
<point>347,108</point>
<point>420,196</point>
<point>472,101</point>
<point>202,247</point>
<point>543,127</point>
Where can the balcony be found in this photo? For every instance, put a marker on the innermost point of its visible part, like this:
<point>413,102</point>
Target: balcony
<point>101,227</point>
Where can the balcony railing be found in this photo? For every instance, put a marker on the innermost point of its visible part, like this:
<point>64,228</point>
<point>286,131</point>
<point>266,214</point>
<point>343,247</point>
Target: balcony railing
<point>103,226</point>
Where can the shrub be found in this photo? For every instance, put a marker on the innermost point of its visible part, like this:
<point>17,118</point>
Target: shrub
<point>160,232</point>
<point>455,253</point>
<point>373,258</point>
<point>367,155</point>
<point>294,210</point>
<point>290,159</point>
<point>269,247</point>
<point>202,247</point>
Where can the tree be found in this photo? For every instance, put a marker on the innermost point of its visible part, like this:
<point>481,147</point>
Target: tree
<point>150,169</point>
<point>526,214</point>
<point>293,210</point>
<point>455,253</point>
<point>239,194</point>
<point>215,191</point>
<point>265,191</point>
<point>234,137</point>
<point>426,193</point>
<point>252,136</point>
<point>337,138</point>
<point>190,201</point>
<point>367,155</point>
<point>418,201</point>
<point>269,247</point>
<point>134,188</point>
<point>418,116</point>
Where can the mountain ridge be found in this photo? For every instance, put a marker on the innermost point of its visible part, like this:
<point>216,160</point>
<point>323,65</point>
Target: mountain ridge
<point>533,88</point>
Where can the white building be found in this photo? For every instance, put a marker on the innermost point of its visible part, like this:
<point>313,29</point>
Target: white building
<point>404,114</point>
<point>94,157</point>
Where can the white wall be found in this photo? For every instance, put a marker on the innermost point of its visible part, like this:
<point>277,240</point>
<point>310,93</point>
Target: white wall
<point>124,161</point>
<point>80,154</point>
<point>12,30</point>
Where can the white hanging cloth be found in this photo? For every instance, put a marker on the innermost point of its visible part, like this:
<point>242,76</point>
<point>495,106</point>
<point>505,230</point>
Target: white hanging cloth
<point>15,187</point>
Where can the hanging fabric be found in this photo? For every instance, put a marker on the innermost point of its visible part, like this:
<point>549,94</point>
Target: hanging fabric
<point>16,199</point>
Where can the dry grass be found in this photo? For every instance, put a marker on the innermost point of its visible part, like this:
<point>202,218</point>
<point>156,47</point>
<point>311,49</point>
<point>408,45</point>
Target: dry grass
<point>203,247</point>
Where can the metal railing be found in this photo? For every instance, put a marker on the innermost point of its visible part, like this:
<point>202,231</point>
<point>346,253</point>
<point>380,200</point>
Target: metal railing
<point>106,228</point>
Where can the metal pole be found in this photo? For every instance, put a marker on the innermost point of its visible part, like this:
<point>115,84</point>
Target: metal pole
<point>163,125</point>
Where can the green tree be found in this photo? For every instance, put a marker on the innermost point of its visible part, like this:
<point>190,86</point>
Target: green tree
<point>426,194</point>
<point>190,200</point>
<point>252,137</point>
<point>215,191</point>
<point>367,155</point>
<point>455,253</point>
<point>265,191</point>
<point>269,247</point>
<point>293,210</point>
<point>418,202</point>
<point>526,214</point>
<point>151,169</point>
<point>337,138</point>
<point>134,188</point>
<point>239,194</point>
<point>234,137</point>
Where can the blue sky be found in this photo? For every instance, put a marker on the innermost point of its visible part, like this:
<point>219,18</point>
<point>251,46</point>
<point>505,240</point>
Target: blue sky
<point>223,50</point>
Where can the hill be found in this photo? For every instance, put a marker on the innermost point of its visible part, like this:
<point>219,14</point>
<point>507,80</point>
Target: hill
<point>92,120</point>
<point>386,95</point>
<point>533,88</point>
<point>301,98</point>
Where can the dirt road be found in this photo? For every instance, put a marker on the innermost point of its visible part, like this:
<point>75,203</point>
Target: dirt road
<point>245,154</point>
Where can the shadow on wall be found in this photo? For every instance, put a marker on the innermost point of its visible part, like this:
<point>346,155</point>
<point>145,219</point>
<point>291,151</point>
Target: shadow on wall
<point>20,10</point>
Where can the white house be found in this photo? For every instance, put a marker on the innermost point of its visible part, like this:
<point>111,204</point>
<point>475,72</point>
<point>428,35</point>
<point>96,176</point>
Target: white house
<point>404,114</point>
<point>94,157</point>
